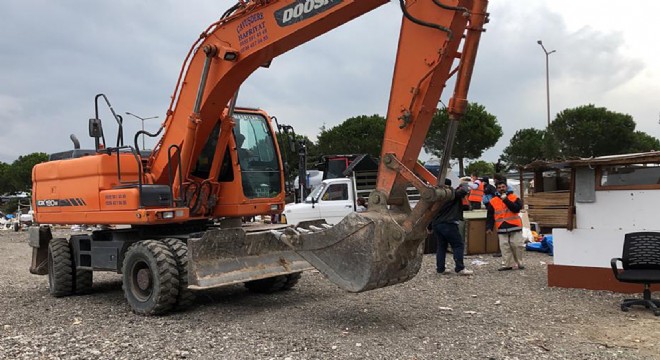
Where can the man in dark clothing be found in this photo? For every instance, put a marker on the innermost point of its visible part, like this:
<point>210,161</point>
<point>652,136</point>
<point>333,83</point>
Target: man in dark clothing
<point>445,229</point>
<point>503,216</point>
<point>489,192</point>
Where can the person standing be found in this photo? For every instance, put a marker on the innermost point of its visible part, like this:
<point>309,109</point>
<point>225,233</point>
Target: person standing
<point>476,193</point>
<point>489,192</point>
<point>502,215</point>
<point>445,229</point>
<point>361,204</point>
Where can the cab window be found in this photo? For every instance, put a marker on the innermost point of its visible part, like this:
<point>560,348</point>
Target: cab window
<point>336,192</point>
<point>257,156</point>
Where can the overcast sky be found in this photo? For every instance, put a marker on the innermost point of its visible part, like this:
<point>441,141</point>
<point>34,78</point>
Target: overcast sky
<point>55,56</point>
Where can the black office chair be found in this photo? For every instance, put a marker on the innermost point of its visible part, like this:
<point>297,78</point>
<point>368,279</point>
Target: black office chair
<point>641,265</point>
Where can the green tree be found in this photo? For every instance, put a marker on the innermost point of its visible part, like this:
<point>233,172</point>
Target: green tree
<point>526,146</point>
<point>477,132</point>
<point>5,185</point>
<point>357,135</point>
<point>644,142</point>
<point>19,174</point>
<point>550,146</point>
<point>480,167</point>
<point>592,131</point>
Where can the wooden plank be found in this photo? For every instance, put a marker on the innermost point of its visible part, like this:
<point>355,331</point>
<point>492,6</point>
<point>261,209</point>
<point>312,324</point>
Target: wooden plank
<point>548,199</point>
<point>549,217</point>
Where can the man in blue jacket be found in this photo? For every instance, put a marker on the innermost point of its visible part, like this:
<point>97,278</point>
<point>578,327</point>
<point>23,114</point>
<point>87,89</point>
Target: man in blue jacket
<point>445,229</point>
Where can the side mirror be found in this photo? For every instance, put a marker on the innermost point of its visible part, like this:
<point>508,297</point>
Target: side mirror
<point>95,128</point>
<point>96,131</point>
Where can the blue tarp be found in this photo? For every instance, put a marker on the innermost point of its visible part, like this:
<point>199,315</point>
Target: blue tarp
<point>545,246</point>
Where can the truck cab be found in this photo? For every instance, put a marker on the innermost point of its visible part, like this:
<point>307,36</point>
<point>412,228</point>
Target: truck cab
<point>331,200</point>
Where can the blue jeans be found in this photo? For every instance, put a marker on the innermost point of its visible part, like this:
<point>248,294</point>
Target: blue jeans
<point>447,234</point>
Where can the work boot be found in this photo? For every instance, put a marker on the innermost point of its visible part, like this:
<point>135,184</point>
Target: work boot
<point>465,272</point>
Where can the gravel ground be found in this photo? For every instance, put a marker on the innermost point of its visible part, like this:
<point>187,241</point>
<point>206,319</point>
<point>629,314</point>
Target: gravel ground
<point>492,315</point>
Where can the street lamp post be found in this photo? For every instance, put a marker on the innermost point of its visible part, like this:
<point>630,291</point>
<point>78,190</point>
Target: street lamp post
<point>142,119</point>
<point>547,76</point>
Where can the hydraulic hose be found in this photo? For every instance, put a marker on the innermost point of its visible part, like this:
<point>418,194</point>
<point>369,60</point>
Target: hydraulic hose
<point>422,22</point>
<point>447,7</point>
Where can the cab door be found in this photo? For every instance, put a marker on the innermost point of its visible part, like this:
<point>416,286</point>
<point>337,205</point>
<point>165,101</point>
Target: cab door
<point>336,202</point>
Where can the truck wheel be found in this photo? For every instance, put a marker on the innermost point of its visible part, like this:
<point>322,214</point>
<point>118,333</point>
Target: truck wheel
<point>150,278</point>
<point>60,268</point>
<point>17,227</point>
<point>179,249</point>
<point>273,284</point>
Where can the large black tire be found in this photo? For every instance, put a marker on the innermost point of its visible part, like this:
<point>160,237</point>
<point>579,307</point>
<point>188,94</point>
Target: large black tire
<point>273,284</point>
<point>82,279</point>
<point>82,282</point>
<point>179,249</point>
<point>60,268</point>
<point>150,278</point>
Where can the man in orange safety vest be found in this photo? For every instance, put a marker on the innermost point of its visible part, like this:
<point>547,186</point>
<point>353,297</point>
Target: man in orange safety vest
<point>476,193</point>
<point>503,211</point>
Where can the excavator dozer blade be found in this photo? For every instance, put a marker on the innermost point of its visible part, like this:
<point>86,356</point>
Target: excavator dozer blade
<point>364,251</point>
<point>229,256</point>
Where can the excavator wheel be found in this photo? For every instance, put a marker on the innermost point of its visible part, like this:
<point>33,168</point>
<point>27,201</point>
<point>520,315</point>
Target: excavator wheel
<point>60,268</point>
<point>179,249</point>
<point>150,278</point>
<point>273,284</point>
<point>83,280</point>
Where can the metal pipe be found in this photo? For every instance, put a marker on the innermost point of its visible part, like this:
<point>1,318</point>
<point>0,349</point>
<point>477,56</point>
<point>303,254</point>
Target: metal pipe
<point>547,76</point>
<point>446,152</point>
<point>210,52</point>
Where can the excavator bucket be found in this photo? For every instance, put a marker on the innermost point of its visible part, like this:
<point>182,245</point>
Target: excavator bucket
<point>362,252</point>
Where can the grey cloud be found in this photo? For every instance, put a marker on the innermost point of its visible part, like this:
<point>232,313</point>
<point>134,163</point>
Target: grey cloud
<point>56,59</point>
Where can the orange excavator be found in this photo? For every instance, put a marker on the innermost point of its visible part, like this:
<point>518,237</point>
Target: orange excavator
<point>169,220</point>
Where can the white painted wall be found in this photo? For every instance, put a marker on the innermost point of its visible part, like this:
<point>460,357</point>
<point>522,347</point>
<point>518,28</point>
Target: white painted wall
<point>635,210</point>
<point>601,226</point>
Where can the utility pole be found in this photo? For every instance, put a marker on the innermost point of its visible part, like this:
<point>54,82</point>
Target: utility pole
<point>142,119</point>
<point>547,76</point>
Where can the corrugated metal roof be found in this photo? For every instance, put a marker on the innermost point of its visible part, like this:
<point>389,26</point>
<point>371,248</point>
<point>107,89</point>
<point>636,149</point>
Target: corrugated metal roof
<point>621,159</point>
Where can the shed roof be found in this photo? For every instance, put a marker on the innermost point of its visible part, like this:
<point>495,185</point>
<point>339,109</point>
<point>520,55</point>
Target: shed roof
<point>621,159</point>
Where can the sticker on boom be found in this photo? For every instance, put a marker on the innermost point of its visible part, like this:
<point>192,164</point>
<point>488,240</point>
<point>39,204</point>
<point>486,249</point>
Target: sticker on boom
<point>301,10</point>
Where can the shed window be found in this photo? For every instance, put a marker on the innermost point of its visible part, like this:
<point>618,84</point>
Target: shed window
<point>625,177</point>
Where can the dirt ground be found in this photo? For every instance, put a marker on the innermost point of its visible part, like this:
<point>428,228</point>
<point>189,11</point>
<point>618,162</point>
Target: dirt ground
<point>491,315</point>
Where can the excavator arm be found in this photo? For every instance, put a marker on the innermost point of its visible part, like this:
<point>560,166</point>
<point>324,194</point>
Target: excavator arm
<point>438,39</point>
<point>249,35</point>
<point>382,247</point>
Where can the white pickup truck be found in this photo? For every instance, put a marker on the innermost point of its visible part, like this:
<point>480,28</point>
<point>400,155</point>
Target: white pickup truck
<point>331,200</point>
